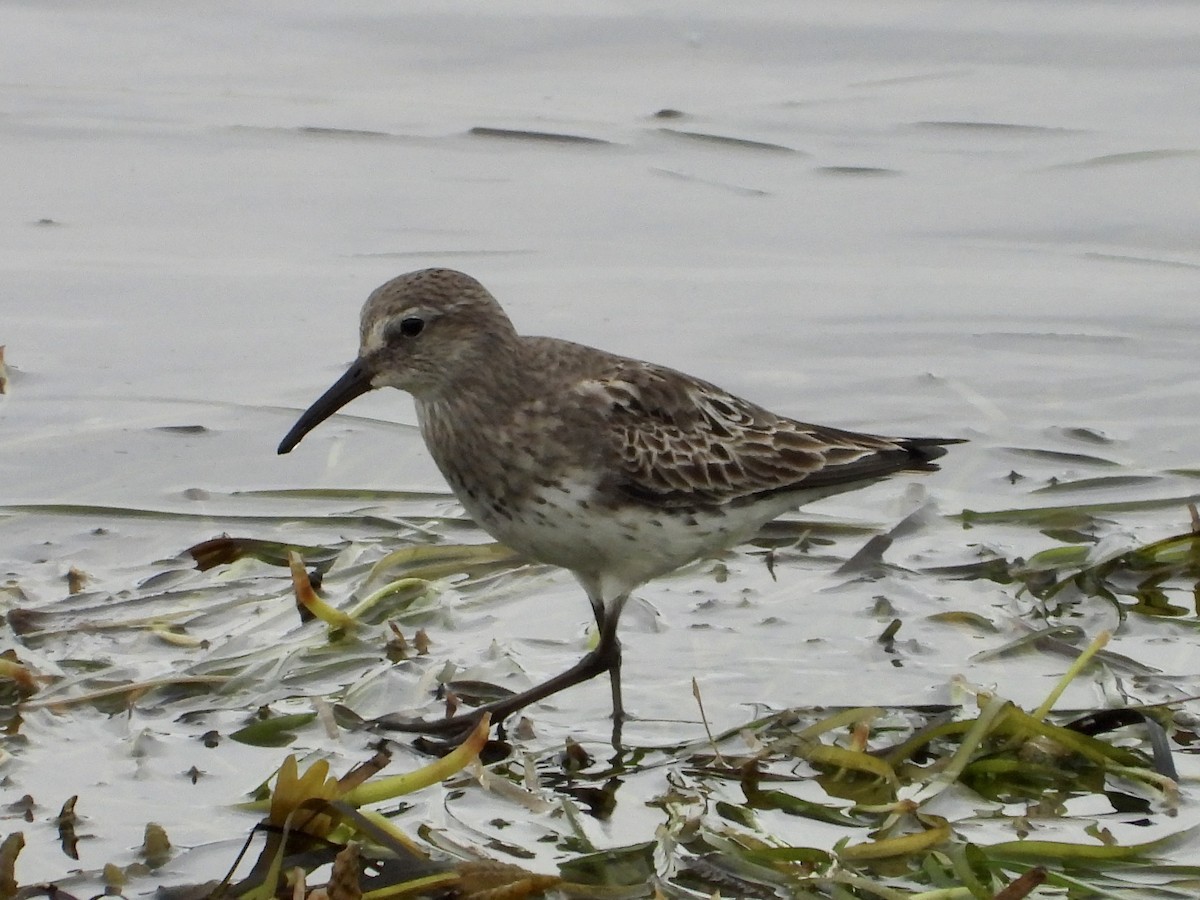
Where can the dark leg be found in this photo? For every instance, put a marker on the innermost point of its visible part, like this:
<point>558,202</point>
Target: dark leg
<point>607,617</point>
<point>614,677</point>
<point>608,635</point>
<point>606,628</point>
<point>606,657</point>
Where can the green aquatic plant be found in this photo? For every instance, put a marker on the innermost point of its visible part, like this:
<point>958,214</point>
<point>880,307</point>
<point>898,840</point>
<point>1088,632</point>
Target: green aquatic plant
<point>962,800</point>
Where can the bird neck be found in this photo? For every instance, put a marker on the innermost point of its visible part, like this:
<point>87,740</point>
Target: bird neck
<point>479,391</point>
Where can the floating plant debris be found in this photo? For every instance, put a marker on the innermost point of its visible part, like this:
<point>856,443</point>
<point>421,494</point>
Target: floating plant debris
<point>553,137</point>
<point>972,796</point>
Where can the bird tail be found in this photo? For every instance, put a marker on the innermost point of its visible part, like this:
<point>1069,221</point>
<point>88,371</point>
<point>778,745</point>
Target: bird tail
<point>925,450</point>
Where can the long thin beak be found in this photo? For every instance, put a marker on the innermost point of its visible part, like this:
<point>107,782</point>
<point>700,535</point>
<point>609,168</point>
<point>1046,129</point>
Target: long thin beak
<point>355,383</point>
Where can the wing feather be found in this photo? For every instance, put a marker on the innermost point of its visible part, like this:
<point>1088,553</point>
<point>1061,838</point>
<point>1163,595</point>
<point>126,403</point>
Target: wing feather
<point>682,442</point>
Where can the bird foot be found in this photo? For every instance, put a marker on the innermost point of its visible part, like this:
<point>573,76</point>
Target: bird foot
<point>606,658</point>
<point>451,725</point>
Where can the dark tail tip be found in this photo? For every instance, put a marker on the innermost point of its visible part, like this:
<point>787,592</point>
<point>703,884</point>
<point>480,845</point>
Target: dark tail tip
<point>925,450</point>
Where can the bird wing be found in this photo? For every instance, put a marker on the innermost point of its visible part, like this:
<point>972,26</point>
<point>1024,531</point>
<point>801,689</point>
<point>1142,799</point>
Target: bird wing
<point>681,441</point>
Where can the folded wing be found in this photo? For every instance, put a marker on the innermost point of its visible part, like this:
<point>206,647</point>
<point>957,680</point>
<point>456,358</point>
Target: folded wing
<point>685,442</point>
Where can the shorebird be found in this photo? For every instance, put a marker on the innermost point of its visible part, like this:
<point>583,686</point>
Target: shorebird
<point>615,469</point>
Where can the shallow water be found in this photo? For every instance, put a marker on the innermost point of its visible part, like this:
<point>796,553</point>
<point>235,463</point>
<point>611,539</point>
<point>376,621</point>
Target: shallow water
<point>931,219</point>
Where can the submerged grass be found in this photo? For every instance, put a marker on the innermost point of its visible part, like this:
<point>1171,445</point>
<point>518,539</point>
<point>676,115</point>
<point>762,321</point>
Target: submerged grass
<point>882,794</point>
<point>967,800</point>
<point>1133,577</point>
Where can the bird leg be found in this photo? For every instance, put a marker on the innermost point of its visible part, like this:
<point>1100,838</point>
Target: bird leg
<point>614,677</point>
<point>606,627</point>
<point>606,657</point>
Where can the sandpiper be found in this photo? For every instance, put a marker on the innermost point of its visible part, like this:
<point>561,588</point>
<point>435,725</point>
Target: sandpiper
<point>616,469</point>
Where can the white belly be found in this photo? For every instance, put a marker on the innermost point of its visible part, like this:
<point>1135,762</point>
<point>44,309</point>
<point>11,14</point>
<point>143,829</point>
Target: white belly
<point>627,546</point>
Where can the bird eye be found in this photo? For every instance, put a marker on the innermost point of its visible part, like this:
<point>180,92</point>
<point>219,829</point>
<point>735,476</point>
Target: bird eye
<point>411,326</point>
